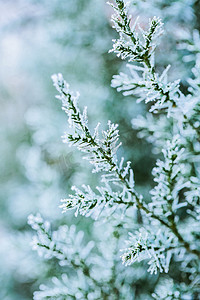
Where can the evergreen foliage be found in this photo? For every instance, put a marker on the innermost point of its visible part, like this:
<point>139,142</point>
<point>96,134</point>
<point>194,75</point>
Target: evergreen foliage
<point>141,230</point>
<point>165,230</point>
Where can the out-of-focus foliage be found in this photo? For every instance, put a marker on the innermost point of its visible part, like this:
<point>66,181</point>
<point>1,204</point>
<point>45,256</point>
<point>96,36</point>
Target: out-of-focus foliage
<point>39,38</point>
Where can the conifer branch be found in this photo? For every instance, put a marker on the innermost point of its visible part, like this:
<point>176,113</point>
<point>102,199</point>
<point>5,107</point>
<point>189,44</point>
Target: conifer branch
<point>155,88</point>
<point>102,153</point>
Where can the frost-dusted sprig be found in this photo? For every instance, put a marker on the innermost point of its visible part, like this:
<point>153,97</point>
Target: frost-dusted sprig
<point>65,244</point>
<point>168,289</point>
<point>131,44</point>
<point>170,179</point>
<point>59,289</point>
<point>149,86</point>
<point>169,176</point>
<point>156,246</point>
<point>68,288</point>
<point>68,247</point>
<point>86,202</point>
<point>101,151</point>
